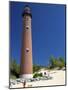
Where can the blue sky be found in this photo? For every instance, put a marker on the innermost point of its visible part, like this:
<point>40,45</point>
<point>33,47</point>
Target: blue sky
<point>48,31</point>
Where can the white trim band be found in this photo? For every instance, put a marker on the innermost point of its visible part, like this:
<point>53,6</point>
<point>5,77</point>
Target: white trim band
<point>26,76</point>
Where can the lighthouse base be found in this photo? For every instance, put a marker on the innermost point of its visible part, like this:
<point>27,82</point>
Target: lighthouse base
<point>26,76</point>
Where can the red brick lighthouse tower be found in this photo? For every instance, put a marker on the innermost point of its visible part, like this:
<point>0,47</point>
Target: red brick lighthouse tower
<point>26,55</point>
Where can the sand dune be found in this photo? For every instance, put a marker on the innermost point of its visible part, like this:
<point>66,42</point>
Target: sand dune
<point>58,79</point>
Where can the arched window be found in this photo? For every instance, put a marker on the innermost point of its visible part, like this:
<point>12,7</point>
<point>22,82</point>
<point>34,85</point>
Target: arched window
<point>27,49</point>
<point>27,28</point>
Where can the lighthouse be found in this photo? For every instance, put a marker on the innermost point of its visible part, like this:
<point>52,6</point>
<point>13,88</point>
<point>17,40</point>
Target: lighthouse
<point>26,51</point>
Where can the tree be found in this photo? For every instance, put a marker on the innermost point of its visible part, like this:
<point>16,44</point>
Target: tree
<point>61,62</point>
<point>54,62</point>
<point>14,68</point>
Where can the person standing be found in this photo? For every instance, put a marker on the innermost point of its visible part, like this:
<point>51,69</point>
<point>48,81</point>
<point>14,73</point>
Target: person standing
<point>24,83</point>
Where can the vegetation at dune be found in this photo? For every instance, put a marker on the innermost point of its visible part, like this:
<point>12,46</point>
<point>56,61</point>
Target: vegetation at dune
<point>36,68</point>
<point>37,75</point>
<point>53,63</point>
<point>56,62</point>
<point>14,69</point>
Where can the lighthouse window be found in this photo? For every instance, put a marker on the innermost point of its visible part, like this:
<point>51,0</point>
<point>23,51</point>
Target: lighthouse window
<point>27,27</point>
<point>27,49</point>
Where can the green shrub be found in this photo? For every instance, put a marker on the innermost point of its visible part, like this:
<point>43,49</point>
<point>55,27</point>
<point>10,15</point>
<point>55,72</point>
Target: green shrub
<point>37,75</point>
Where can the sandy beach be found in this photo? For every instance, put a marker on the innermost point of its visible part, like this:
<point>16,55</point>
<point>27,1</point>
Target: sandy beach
<point>58,78</point>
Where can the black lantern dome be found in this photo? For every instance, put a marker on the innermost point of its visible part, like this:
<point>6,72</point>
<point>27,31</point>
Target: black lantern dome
<point>27,11</point>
